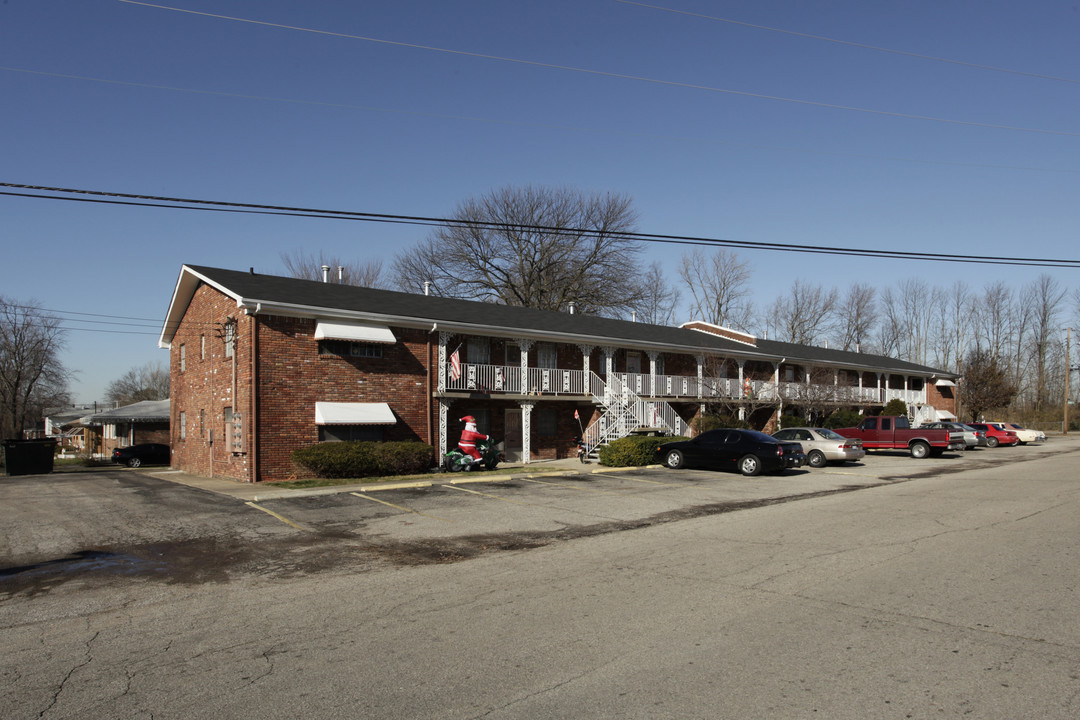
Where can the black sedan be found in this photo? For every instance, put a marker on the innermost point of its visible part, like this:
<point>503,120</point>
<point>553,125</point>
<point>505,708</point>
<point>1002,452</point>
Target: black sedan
<point>145,454</point>
<point>748,451</point>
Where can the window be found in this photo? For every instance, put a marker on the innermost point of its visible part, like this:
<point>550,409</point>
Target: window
<point>343,433</point>
<point>546,356</point>
<point>547,422</point>
<point>183,424</point>
<point>183,357</point>
<point>479,351</point>
<point>230,337</point>
<point>344,348</point>
<point>483,419</point>
<point>633,363</point>
<point>202,347</point>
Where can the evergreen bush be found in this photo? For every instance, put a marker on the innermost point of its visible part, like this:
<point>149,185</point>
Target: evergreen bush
<point>633,451</point>
<point>843,418</point>
<point>364,458</point>
<point>896,406</point>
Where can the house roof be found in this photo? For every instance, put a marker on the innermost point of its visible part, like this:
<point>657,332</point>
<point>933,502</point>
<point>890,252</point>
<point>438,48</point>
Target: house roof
<point>144,411</point>
<point>276,295</point>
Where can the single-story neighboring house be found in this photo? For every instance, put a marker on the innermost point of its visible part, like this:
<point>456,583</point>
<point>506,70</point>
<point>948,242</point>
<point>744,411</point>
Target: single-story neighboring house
<point>261,365</point>
<point>146,421</point>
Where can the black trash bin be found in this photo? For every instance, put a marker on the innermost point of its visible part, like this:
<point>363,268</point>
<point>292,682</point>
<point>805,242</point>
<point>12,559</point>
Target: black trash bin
<point>29,457</point>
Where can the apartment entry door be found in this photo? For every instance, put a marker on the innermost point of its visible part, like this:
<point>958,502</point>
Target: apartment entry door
<point>512,437</point>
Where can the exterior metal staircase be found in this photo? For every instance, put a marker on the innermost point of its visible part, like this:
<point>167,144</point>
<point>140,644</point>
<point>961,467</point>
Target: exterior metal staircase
<point>626,412</point>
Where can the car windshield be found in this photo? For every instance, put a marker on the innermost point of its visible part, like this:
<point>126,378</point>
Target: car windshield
<point>829,434</point>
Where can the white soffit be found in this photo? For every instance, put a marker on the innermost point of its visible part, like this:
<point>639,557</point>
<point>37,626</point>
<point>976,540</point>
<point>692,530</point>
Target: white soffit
<point>347,413</point>
<point>357,332</point>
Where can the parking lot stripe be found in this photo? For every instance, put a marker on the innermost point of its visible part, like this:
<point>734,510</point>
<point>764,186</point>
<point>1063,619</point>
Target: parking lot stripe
<point>282,518</point>
<point>640,480</point>
<point>572,487</point>
<point>399,507</point>
<point>489,495</point>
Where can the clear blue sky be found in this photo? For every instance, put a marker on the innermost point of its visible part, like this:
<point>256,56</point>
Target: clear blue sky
<point>392,109</point>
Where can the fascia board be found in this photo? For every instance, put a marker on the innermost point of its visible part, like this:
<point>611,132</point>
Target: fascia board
<point>186,285</point>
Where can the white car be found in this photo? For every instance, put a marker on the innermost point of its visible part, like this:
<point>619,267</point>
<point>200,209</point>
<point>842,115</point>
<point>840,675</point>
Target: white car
<point>1024,434</point>
<point>822,445</point>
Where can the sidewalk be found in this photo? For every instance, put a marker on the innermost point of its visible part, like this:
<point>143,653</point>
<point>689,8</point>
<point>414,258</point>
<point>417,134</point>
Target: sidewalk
<point>254,492</point>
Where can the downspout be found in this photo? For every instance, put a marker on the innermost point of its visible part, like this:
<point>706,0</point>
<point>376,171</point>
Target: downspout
<point>253,420</point>
<point>430,429</point>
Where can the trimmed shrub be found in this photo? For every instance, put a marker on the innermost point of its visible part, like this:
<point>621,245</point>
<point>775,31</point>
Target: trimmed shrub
<point>843,418</point>
<point>787,421</point>
<point>633,451</point>
<point>364,458</point>
<point>709,421</point>
<point>896,406</point>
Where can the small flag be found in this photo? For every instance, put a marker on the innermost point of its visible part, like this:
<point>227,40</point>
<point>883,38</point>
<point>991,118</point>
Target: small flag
<point>576,416</point>
<point>455,366</point>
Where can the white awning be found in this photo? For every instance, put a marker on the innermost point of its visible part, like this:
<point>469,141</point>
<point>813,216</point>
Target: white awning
<point>351,413</point>
<point>942,382</point>
<point>945,415</point>
<point>357,332</point>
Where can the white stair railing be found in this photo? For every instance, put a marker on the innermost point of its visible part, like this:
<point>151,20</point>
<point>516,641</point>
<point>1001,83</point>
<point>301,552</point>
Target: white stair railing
<point>625,412</point>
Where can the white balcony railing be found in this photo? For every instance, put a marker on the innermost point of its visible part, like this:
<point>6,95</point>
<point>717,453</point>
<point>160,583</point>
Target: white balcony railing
<point>556,381</point>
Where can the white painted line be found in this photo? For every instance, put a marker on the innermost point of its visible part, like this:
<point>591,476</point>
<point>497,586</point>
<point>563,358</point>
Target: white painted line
<point>282,518</point>
<point>398,507</point>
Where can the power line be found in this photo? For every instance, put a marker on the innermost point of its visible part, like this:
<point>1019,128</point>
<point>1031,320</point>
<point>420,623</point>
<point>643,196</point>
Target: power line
<point>850,43</point>
<point>602,73</point>
<point>98,196</point>
<point>547,126</point>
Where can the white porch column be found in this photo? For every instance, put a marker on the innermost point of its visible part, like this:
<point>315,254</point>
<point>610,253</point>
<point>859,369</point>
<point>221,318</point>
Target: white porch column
<point>654,355</point>
<point>742,386</point>
<point>700,374</point>
<point>525,346</point>
<point>776,378</point>
<point>444,338</point>
<point>444,428</point>
<point>586,356</point>
<point>526,431</point>
<point>609,370</point>
<point>880,392</point>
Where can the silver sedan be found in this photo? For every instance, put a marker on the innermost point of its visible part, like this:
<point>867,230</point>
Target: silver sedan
<point>822,445</point>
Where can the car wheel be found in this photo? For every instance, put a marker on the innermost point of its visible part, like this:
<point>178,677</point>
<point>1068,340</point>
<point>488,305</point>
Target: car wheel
<point>674,460</point>
<point>992,442</point>
<point>750,465</point>
<point>919,450</point>
<point>134,462</point>
<point>816,458</point>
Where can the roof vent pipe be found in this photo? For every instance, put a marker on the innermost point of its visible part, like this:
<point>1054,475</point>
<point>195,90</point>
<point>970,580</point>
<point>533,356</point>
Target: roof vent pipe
<point>340,274</point>
<point>326,273</point>
<point>427,287</point>
<point>633,316</point>
<point>571,308</point>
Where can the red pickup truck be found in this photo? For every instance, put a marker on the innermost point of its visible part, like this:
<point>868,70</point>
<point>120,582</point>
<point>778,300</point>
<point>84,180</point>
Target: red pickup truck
<point>894,432</point>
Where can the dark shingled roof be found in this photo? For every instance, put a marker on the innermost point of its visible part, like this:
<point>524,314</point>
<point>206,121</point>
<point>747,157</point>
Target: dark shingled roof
<point>315,298</point>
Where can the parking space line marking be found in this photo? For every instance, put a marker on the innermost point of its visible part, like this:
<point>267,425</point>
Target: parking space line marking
<point>643,480</point>
<point>282,518</point>
<point>399,507</point>
<point>565,485</point>
<point>493,497</point>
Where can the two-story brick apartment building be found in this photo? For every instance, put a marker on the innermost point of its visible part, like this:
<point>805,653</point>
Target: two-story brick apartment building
<point>261,365</point>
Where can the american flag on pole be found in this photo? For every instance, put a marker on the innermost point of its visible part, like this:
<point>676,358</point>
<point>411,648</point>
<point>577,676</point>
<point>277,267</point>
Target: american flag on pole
<point>455,365</point>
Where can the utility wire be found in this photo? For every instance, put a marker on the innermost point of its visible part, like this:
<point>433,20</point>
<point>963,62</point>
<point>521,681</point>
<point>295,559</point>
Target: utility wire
<point>604,73</point>
<point>546,126</point>
<point>98,196</point>
<point>864,46</point>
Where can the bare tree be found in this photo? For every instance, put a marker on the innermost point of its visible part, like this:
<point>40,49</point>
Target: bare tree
<point>534,247</point>
<point>894,325</point>
<point>805,315</point>
<point>309,266</point>
<point>955,326</point>
<point>31,374</point>
<point>719,287</point>
<point>146,382</point>
<point>995,321</point>
<point>857,314</point>
<point>986,384</point>
<point>1042,303</point>
<point>658,298</point>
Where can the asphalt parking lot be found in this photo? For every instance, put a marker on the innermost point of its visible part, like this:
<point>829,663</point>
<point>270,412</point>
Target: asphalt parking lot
<point>198,528</point>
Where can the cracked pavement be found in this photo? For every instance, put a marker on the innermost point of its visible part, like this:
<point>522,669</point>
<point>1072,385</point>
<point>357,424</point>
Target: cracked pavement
<point>941,594</point>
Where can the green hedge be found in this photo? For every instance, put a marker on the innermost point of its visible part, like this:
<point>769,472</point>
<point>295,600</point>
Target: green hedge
<point>364,458</point>
<point>633,451</point>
